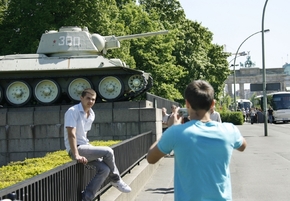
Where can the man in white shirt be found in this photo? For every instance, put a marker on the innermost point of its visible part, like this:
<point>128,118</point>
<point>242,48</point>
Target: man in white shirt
<point>214,115</point>
<point>165,118</point>
<point>77,122</point>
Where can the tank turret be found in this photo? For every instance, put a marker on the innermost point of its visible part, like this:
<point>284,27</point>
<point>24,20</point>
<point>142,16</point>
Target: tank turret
<point>76,41</point>
<point>66,62</point>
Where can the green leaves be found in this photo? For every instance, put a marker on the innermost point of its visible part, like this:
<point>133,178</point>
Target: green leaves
<point>19,171</point>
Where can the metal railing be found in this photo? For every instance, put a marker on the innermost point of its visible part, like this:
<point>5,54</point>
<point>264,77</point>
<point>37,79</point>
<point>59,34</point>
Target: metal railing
<point>65,182</point>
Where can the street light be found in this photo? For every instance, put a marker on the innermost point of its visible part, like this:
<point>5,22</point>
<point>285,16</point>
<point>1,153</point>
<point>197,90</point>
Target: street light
<point>235,104</point>
<point>240,54</point>
<point>264,75</point>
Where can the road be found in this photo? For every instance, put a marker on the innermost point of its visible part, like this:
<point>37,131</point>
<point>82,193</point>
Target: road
<point>262,172</point>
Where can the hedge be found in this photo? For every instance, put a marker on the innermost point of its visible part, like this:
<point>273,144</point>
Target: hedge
<point>16,172</point>
<point>236,118</point>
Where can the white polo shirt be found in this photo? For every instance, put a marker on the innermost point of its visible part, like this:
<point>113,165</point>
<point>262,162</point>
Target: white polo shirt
<point>215,116</point>
<point>76,117</point>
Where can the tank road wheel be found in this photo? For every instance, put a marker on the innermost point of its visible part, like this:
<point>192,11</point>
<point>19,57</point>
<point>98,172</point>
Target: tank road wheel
<point>47,91</point>
<point>77,86</point>
<point>18,93</point>
<point>110,88</point>
<point>137,82</point>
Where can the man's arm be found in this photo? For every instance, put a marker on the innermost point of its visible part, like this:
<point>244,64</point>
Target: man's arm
<point>73,145</point>
<point>154,154</point>
<point>243,146</point>
<point>174,119</point>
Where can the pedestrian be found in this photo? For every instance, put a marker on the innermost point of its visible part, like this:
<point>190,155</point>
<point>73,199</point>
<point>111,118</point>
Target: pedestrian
<point>247,114</point>
<point>253,115</point>
<point>215,115</point>
<point>244,114</point>
<point>174,112</point>
<point>270,114</point>
<point>77,122</point>
<point>202,149</point>
<point>165,118</point>
<point>257,115</point>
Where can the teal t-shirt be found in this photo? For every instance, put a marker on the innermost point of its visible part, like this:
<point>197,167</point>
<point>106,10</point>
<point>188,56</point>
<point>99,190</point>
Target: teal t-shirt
<point>202,153</point>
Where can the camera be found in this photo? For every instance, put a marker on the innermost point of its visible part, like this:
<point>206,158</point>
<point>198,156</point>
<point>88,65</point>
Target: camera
<point>182,112</point>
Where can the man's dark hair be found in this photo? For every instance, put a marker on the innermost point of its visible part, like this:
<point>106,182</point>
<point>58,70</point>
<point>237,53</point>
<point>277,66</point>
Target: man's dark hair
<point>89,91</point>
<point>199,94</point>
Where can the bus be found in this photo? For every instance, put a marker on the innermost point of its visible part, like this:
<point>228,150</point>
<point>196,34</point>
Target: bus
<point>243,103</point>
<point>280,103</point>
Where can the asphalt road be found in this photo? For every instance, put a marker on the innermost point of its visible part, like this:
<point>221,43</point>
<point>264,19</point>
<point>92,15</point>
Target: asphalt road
<point>262,172</point>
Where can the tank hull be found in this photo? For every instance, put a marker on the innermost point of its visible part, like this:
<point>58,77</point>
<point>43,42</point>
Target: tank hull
<point>35,79</point>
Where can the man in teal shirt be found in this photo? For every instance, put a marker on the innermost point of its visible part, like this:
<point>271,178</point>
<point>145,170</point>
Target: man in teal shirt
<point>202,149</point>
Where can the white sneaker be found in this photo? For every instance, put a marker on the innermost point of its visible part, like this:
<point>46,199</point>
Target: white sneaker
<point>121,186</point>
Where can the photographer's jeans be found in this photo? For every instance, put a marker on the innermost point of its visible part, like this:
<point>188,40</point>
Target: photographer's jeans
<point>102,159</point>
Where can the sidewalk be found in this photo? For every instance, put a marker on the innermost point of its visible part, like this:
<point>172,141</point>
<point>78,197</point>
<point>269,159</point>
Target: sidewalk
<point>261,173</point>
<point>160,185</point>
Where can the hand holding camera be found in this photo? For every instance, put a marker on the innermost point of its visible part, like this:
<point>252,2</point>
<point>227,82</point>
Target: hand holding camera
<point>182,112</point>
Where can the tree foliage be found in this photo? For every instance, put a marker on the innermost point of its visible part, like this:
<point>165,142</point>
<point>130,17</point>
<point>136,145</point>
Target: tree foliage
<point>153,54</point>
<point>175,59</point>
<point>193,49</point>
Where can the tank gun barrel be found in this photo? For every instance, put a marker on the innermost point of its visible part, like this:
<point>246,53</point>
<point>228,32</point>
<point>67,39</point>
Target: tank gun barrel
<point>112,42</point>
<point>120,38</point>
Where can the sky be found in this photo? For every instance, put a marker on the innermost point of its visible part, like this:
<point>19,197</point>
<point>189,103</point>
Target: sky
<point>232,21</point>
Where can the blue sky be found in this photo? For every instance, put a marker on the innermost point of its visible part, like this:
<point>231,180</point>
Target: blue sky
<point>232,21</point>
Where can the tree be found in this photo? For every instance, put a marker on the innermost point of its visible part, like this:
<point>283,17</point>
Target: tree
<point>170,12</point>
<point>121,3</point>
<point>153,54</point>
<point>3,8</point>
<point>253,99</point>
<point>225,101</point>
<point>201,58</point>
<point>193,48</point>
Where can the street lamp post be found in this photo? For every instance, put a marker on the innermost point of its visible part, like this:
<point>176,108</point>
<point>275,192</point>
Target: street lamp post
<point>240,54</point>
<point>264,75</point>
<point>235,104</point>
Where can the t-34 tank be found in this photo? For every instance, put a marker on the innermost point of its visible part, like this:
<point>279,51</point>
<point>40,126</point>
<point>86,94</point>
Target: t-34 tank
<point>68,61</point>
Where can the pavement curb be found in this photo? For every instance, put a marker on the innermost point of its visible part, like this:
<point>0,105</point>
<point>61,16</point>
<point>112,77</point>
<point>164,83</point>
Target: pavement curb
<point>138,177</point>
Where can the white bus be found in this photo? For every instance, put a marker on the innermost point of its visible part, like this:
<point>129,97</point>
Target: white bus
<point>243,103</point>
<point>280,103</point>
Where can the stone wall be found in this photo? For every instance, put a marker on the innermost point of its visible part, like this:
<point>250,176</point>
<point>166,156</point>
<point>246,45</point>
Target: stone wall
<point>34,131</point>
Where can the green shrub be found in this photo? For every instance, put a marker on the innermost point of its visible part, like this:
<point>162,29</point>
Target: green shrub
<point>233,117</point>
<point>16,172</point>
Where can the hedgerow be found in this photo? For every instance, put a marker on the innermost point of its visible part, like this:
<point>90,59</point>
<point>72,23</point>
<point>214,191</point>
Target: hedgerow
<point>16,172</point>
